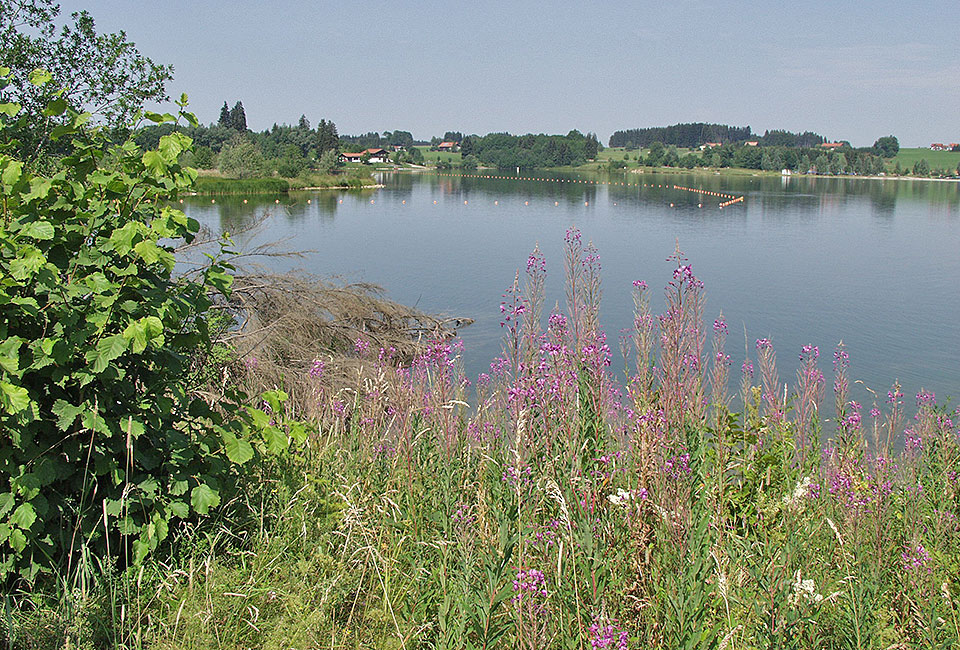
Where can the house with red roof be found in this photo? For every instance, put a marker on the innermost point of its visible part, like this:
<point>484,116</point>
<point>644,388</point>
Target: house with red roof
<point>375,155</point>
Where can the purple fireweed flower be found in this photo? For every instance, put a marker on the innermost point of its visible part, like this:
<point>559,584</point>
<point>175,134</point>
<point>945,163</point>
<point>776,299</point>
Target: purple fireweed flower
<point>915,558</point>
<point>517,476</point>
<point>316,371</point>
<point>536,263</point>
<point>875,412</point>
<point>912,440</point>
<point>677,466</point>
<point>530,583</point>
<point>573,235</point>
<point>747,368</point>
<point>609,636</point>
<point>810,352</point>
<point>339,406</point>
<point>763,344</point>
<point>640,284</point>
<point>925,398</point>
<point>720,325</point>
<point>361,345</point>
<point>894,398</point>
<point>250,363</point>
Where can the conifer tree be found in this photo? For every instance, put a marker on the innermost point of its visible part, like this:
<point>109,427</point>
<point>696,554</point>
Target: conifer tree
<point>225,116</point>
<point>238,118</point>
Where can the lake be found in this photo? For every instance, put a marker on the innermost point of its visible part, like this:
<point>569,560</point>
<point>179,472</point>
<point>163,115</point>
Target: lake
<point>874,263</point>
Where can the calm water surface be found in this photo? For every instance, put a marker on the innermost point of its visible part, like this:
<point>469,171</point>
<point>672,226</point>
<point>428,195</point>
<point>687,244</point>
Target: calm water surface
<point>875,264</point>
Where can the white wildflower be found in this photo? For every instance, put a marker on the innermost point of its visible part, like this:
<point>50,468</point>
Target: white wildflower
<point>804,590</point>
<point>799,492</point>
<point>622,497</point>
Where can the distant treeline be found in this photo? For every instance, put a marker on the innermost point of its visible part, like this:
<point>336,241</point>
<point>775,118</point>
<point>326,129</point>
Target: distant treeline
<point>842,160</point>
<point>373,140</point>
<point>237,152</point>
<point>506,151</point>
<point>693,134</point>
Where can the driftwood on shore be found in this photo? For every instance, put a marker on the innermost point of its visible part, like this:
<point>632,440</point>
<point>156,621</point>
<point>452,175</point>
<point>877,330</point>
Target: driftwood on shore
<point>280,326</point>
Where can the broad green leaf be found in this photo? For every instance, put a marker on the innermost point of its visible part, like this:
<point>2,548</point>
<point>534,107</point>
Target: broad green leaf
<point>149,486</point>
<point>154,162</point>
<point>260,418</point>
<point>276,440</point>
<point>66,414</point>
<point>171,146</point>
<point>6,503</point>
<point>27,263</point>
<point>238,450</point>
<point>9,109</point>
<point>12,172</point>
<point>17,540</point>
<point>275,398</point>
<point>137,337</point>
<point>39,188</point>
<point>150,253</point>
<point>56,107</point>
<point>219,280</point>
<point>13,398</point>
<point>24,516</point>
<point>203,497</point>
<point>106,351</point>
<point>179,509</point>
<point>10,354</point>
<point>39,77</point>
<point>122,238</point>
<point>39,230</point>
<point>152,327</point>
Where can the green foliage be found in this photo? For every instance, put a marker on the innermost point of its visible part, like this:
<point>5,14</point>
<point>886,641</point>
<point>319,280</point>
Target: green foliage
<point>887,146</point>
<point>104,442</point>
<point>469,163</point>
<point>101,73</point>
<point>241,158</point>
<point>328,162</point>
<point>291,163</point>
<point>921,168</point>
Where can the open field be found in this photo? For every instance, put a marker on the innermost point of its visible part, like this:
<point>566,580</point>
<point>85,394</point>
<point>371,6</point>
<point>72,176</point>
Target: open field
<point>937,159</point>
<point>434,156</point>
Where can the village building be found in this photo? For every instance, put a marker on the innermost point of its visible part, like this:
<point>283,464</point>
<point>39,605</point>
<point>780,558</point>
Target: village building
<point>448,146</point>
<point>376,156</point>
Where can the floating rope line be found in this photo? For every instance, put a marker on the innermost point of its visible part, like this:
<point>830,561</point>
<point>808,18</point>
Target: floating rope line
<point>731,198</point>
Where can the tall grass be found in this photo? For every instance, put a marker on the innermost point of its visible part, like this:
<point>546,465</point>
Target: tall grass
<point>570,510</point>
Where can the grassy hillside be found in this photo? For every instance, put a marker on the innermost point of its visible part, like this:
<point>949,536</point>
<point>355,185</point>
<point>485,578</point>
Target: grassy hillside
<point>435,156</point>
<point>937,159</point>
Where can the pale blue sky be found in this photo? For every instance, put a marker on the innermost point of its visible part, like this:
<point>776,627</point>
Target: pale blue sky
<point>850,70</point>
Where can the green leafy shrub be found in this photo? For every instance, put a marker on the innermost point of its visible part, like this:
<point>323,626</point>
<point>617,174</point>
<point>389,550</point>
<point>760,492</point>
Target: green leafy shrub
<point>103,441</point>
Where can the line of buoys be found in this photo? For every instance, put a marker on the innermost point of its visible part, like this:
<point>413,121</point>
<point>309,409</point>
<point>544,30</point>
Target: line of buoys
<point>731,198</point>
